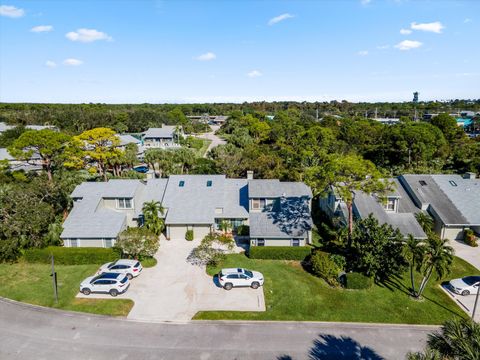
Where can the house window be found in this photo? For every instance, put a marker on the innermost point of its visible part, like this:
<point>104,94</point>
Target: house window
<point>108,243</point>
<point>260,242</point>
<point>209,183</point>
<point>255,204</point>
<point>295,242</point>
<point>181,183</point>
<point>124,203</point>
<point>390,205</point>
<point>74,242</point>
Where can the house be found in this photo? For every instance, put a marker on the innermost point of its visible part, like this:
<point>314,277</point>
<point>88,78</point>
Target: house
<point>5,127</point>
<point>453,201</point>
<point>278,213</point>
<point>163,137</point>
<point>396,209</point>
<point>126,139</point>
<point>34,164</point>
<point>209,119</point>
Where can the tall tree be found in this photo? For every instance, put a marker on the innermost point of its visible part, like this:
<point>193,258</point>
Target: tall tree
<point>153,222</point>
<point>413,251</point>
<point>46,144</point>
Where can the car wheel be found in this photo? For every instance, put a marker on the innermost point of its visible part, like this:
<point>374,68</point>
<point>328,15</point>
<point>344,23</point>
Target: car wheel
<point>228,286</point>
<point>465,292</point>
<point>129,276</point>
<point>113,292</point>
<point>255,285</point>
<point>86,291</point>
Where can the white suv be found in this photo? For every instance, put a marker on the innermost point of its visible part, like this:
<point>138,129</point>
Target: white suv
<point>230,278</point>
<point>131,268</point>
<point>110,283</point>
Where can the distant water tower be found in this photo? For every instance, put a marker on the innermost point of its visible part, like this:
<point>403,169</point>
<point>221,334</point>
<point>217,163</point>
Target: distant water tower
<point>415,97</point>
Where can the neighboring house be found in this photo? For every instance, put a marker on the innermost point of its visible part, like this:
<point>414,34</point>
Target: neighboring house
<point>453,201</point>
<point>5,127</point>
<point>129,139</point>
<point>278,213</point>
<point>209,119</point>
<point>163,137</point>
<point>34,164</point>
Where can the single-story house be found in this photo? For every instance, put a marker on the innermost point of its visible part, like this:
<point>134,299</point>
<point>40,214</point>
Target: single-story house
<point>163,137</point>
<point>278,213</point>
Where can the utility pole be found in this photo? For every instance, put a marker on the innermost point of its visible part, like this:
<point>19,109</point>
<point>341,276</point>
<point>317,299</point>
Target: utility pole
<point>54,281</point>
<point>476,301</point>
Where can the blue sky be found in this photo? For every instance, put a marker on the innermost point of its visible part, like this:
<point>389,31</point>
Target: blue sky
<point>216,51</point>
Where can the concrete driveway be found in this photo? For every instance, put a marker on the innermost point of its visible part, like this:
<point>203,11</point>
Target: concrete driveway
<point>466,303</point>
<point>175,290</point>
<point>467,253</point>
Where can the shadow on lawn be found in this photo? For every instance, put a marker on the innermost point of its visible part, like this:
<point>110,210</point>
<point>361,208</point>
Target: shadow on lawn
<point>328,347</point>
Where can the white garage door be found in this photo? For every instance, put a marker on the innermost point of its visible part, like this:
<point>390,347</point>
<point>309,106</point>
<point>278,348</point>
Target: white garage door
<point>177,232</point>
<point>200,231</point>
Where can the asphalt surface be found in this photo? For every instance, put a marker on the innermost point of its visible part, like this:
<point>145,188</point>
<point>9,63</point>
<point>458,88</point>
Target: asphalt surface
<point>30,332</point>
<point>214,138</point>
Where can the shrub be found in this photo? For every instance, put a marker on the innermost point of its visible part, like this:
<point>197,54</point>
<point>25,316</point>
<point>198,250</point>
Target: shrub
<point>71,256</point>
<point>339,260</point>
<point>243,230</point>
<point>279,252</point>
<point>357,281</point>
<point>189,235</point>
<point>323,266</point>
<point>9,250</point>
<point>137,242</point>
<point>470,238</point>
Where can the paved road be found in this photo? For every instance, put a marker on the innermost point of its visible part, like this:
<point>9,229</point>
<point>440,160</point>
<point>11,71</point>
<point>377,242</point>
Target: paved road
<point>28,332</point>
<point>211,136</point>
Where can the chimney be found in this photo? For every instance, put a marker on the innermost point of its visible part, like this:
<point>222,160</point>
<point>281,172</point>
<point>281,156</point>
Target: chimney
<point>249,175</point>
<point>469,175</point>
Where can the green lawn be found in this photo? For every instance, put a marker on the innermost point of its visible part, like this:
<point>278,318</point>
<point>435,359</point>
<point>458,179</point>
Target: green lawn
<point>32,283</point>
<point>206,143</point>
<point>293,294</point>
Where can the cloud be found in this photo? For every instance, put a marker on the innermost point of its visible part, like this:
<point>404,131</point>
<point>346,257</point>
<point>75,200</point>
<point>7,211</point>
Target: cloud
<point>206,57</point>
<point>51,64</point>
<point>435,27</point>
<point>72,62</point>
<point>87,35</point>
<point>362,53</point>
<point>41,28</point>
<point>254,74</point>
<point>408,45</point>
<point>365,2</point>
<point>11,11</point>
<point>405,31</point>
<point>383,47</point>
<point>467,20</point>
<point>279,18</point>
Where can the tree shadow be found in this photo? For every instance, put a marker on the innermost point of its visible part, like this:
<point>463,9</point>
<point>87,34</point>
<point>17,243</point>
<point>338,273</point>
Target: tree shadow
<point>291,215</point>
<point>330,347</point>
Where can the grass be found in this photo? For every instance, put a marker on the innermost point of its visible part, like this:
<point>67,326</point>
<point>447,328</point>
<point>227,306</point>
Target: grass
<point>201,152</point>
<point>293,294</point>
<point>32,283</point>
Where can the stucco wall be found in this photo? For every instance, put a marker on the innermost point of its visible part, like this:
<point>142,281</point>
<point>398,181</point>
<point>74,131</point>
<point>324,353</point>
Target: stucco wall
<point>277,242</point>
<point>86,243</point>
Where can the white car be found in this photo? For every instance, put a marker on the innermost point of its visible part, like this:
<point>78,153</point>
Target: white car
<point>465,286</point>
<point>110,283</point>
<point>236,277</point>
<point>131,268</point>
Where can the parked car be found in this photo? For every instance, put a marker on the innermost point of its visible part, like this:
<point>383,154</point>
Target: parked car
<point>130,268</point>
<point>229,278</point>
<point>110,283</point>
<point>466,285</point>
<point>141,169</point>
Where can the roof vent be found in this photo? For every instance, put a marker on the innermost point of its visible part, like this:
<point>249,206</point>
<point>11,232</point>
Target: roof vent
<point>181,183</point>
<point>469,175</point>
<point>249,175</point>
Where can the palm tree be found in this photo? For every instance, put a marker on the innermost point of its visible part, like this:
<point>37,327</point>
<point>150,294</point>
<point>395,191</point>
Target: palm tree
<point>457,339</point>
<point>413,251</point>
<point>438,256</point>
<point>153,221</point>
<point>225,226</point>
<point>425,221</point>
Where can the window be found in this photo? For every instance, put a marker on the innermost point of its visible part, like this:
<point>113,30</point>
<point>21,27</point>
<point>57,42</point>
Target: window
<point>295,242</point>
<point>74,242</point>
<point>260,242</point>
<point>209,183</point>
<point>181,183</point>
<point>390,205</point>
<point>255,204</point>
<point>124,203</point>
<point>423,183</point>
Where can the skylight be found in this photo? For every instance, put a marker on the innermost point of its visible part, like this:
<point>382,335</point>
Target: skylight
<point>209,183</point>
<point>453,183</point>
<point>181,183</point>
<point>423,183</point>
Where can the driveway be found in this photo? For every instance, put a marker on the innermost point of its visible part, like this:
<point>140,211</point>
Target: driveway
<point>467,253</point>
<point>466,303</point>
<point>211,136</point>
<point>175,290</point>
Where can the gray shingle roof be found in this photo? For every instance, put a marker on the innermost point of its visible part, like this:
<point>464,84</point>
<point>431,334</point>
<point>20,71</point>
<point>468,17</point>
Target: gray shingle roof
<point>165,131</point>
<point>275,188</point>
<point>116,188</point>
<point>128,139</point>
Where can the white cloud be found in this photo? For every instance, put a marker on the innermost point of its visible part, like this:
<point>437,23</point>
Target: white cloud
<point>279,18</point>
<point>11,11</point>
<point>408,45</point>
<point>435,27</point>
<point>72,62</point>
<point>467,20</point>
<point>362,53</point>
<point>41,28</point>
<point>206,57</point>
<point>87,35</point>
<point>383,47</point>
<point>254,74</point>
<point>405,31</point>
<point>51,64</point>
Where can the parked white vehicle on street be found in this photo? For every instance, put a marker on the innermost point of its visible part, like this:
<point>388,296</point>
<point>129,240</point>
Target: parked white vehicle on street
<point>110,283</point>
<point>236,277</point>
<point>131,268</point>
<point>466,285</point>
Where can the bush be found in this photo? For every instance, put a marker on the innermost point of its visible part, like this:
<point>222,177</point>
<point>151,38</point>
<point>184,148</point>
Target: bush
<point>189,235</point>
<point>323,266</point>
<point>470,238</point>
<point>243,230</point>
<point>279,252</point>
<point>357,281</point>
<point>9,250</point>
<point>71,256</point>
<point>138,242</point>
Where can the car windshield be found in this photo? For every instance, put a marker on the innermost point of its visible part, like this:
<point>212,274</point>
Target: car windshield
<point>137,264</point>
<point>248,273</point>
<point>471,280</point>
<point>112,264</point>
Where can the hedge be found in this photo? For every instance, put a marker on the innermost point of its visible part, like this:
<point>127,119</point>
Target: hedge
<point>323,266</point>
<point>357,281</point>
<point>279,252</point>
<point>71,256</point>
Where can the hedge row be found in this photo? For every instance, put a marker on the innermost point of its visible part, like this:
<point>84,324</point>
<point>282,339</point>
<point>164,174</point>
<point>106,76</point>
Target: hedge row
<point>279,252</point>
<point>71,256</point>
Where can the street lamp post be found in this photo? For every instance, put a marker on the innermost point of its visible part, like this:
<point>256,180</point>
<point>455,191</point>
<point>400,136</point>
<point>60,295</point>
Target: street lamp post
<point>476,301</point>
